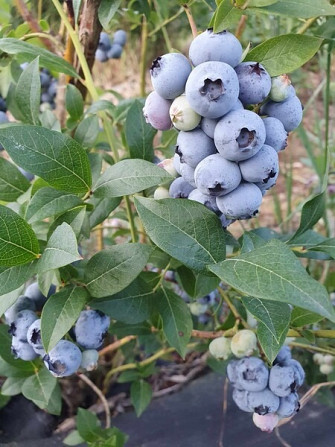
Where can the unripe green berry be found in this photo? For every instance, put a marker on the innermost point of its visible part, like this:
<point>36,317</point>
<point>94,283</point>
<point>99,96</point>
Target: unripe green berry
<point>89,360</point>
<point>182,115</point>
<point>329,359</point>
<point>198,308</point>
<point>318,358</point>
<point>326,369</point>
<point>280,88</point>
<point>161,193</point>
<point>244,343</point>
<point>220,348</point>
<point>168,166</point>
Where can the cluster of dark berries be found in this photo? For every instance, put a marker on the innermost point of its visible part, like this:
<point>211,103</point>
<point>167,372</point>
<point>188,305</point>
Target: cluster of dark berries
<point>108,49</point>
<point>66,357</point>
<point>269,393</point>
<point>48,88</point>
<point>232,118</point>
<point>3,115</point>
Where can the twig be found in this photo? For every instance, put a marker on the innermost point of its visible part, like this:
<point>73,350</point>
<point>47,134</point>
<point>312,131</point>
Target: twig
<point>306,25</point>
<point>241,26</point>
<point>100,395</point>
<point>191,20</point>
<point>232,307</point>
<point>116,345</point>
<point>313,348</point>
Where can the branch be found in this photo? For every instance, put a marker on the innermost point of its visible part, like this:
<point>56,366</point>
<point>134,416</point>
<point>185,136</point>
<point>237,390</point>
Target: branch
<point>191,20</point>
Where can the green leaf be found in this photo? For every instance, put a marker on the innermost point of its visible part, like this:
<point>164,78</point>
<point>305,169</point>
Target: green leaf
<point>30,52</point>
<point>55,402</point>
<point>61,249</point>
<point>110,271</point>
<point>274,320</point>
<point>74,217</point>
<point>53,156</point>
<point>48,202</point>
<point>76,9</point>
<point>12,386</point>
<point>272,272</point>
<point>74,102</point>
<point>327,246</point>
<point>87,131</point>
<point>302,317</point>
<point>13,277</point>
<point>18,242</point>
<point>100,105</point>
<point>303,9</point>
<point>28,93</point>
<point>59,314</point>
<point>196,285</point>
<point>312,211</point>
<point>128,177</point>
<point>184,229</point>
<point>131,305</point>
<point>22,368</point>
<point>285,53</point>
<point>49,120</point>
<point>107,10</point>
<point>102,209</point>
<point>226,16</point>
<point>39,387</point>
<point>8,299</point>
<point>12,183</point>
<point>73,438</point>
<point>140,396</point>
<point>87,424</point>
<point>139,134</point>
<point>176,317</point>
<point>260,3</point>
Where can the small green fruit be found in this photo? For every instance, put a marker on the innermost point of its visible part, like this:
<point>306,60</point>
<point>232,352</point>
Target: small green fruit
<point>161,193</point>
<point>220,348</point>
<point>182,115</point>
<point>244,343</point>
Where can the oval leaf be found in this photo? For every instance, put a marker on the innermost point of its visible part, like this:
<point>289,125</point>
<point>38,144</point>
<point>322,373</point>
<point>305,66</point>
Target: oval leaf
<point>184,229</point>
<point>28,93</point>
<point>140,395</point>
<point>303,9</point>
<point>312,211</point>
<point>285,53</point>
<point>129,176</point>
<point>59,314</point>
<point>13,277</point>
<point>272,272</point>
<point>110,271</point>
<point>61,249</point>
<point>53,156</point>
<point>39,387</point>
<point>18,242</point>
<point>12,183</point>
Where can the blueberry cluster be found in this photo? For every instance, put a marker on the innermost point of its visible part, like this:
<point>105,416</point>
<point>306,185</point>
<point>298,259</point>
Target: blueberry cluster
<point>326,362</point>
<point>232,118</point>
<point>66,357</point>
<point>269,393</point>
<point>48,88</point>
<point>3,115</point>
<point>108,49</point>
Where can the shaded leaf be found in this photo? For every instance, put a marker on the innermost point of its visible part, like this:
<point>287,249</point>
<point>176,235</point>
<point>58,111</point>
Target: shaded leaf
<point>12,183</point>
<point>140,395</point>
<point>28,93</point>
<point>311,213</point>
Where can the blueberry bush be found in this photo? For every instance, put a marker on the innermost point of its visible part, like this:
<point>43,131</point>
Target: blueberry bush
<point>131,226</point>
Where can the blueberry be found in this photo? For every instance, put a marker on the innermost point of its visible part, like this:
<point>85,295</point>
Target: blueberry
<point>266,422</point>
<point>220,348</point>
<point>168,166</point>
<point>268,185</point>
<point>91,328</point>
<point>203,318</point>
<point>282,379</point>
<point>169,74</point>
<point>261,167</point>
<point>176,163</point>
<point>281,88</point>
<point>3,106</point>
<point>210,46</point>
<point>240,397</point>
<point>28,175</point>
<point>289,405</point>
<point>19,327</point>
<point>239,135</point>
<point>254,81</point>
<point>34,337</point>
<point>90,359</point>
<point>326,369</point>
<point>52,90</point>
<point>299,373</point>
<point>45,97</point>
<point>187,173</point>
<point>156,111</point>
<point>289,112</point>
<point>3,117</point>
<point>45,79</point>
<point>194,146</point>
<point>101,55</point>
<point>208,126</point>
<point>22,303</point>
<point>115,52</point>
<point>182,115</point>
<point>64,359</point>
<point>180,189</point>
<point>120,37</point>
<point>104,41</point>
<point>217,176</point>
<point>242,203</point>
<point>283,355</point>
<point>253,375</point>
<point>22,350</point>
<point>276,135</point>
<point>263,402</point>
<point>212,89</point>
<point>232,374</point>
<point>205,199</point>
<point>161,193</point>
<point>33,292</point>
<point>225,222</point>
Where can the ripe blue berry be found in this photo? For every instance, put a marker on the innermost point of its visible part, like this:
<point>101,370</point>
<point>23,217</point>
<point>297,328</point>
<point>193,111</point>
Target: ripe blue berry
<point>242,203</point>
<point>64,359</point>
<point>254,81</point>
<point>91,328</point>
<point>192,147</point>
